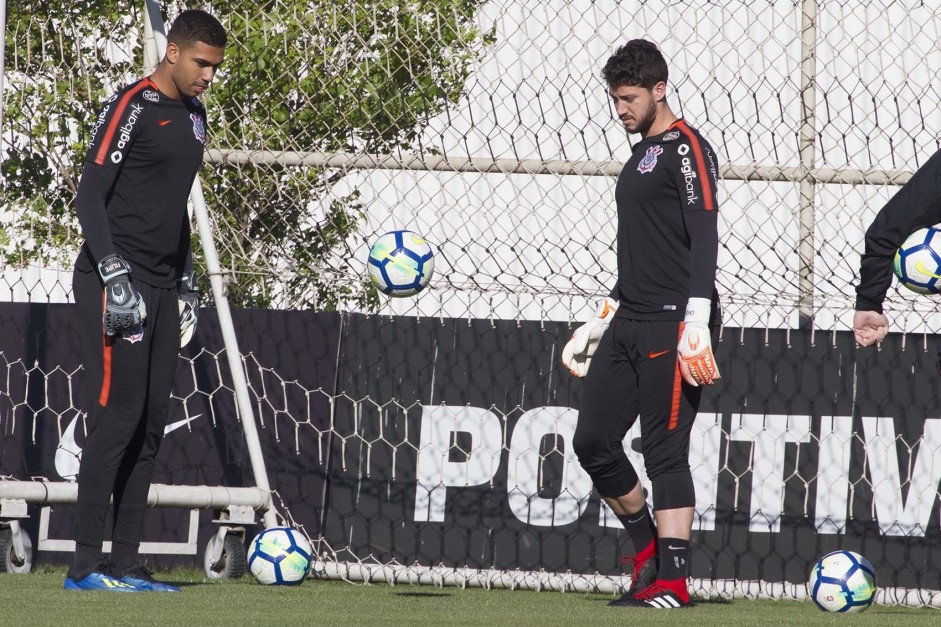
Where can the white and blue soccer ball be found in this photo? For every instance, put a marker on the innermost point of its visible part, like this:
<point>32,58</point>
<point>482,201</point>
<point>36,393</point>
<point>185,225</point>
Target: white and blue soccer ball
<point>917,262</point>
<point>842,581</point>
<point>280,556</point>
<point>401,263</point>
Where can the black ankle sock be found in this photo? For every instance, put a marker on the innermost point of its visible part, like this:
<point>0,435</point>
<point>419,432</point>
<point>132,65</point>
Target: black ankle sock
<point>87,559</point>
<point>640,528</point>
<point>674,558</point>
<point>124,557</point>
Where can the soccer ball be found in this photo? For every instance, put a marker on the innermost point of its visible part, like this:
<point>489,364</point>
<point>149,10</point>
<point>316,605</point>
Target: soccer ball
<point>917,262</point>
<point>279,556</point>
<point>842,581</point>
<point>401,263</point>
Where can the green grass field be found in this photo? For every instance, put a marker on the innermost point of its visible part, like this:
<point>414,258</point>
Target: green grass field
<point>38,599</point>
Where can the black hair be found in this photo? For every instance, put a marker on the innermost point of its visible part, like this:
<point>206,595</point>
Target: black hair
<point>193,26</point>
<point>638,63</point>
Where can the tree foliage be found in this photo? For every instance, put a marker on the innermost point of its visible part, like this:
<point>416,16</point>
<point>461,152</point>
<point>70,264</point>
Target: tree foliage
<point>360,76</point>
<point>58,68</point>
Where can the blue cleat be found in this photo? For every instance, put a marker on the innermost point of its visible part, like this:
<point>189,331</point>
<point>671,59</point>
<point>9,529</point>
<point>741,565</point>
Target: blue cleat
<point>100,581</point>
<point>142,579</point>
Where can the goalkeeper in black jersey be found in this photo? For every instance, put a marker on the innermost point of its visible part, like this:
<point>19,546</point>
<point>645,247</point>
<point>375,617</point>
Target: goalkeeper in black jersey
<point>650,343</point>
<point>134,293</point>
<point>917,204</point>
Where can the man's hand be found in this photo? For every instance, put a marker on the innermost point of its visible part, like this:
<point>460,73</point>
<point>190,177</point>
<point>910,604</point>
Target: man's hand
<point>578,351</point>
<point>694,352</point>
<point>124,307</point>
<point>869,327</point>
<point>188,295</point>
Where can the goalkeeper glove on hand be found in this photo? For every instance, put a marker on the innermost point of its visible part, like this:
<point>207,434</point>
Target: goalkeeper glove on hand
<point>188,296</point>
<point>124,307</point>
<point>578,351</point>
<point>694,352</point>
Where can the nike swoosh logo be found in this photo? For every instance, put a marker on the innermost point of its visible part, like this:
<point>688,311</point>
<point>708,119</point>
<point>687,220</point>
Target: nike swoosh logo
<point>68,453</point>
<point>163,122</point>
<point>653,355</point>
<point>675,548</point>
<point>68,456</point>
<point>173,426</point>
<point>920,267</point>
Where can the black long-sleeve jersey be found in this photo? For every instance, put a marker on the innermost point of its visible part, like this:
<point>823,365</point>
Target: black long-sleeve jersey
<point>145,151</point>
<point>667,225</point>
<point>917,204</point>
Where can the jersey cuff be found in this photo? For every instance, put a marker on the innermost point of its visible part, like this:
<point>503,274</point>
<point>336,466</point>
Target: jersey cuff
<point>864,305</point>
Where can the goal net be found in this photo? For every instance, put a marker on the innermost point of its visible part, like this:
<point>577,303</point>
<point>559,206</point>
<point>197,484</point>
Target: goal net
<point>439,427</point>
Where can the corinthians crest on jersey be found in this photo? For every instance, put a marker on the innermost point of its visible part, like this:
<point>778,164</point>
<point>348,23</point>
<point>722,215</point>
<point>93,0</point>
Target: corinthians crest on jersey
<point>649,162</point>
<point>199,129</point>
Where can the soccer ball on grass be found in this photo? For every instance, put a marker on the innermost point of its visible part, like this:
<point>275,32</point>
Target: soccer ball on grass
<point>917,262</point>
<point>401,263</point>
<point>280,556</point>
<point>842,581</point>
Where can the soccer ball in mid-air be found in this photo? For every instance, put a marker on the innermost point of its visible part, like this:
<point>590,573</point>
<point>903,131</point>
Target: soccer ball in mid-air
<point>280,556</point>
<point>842,581</point>
<point>917,262</point>
<point>401,263</point>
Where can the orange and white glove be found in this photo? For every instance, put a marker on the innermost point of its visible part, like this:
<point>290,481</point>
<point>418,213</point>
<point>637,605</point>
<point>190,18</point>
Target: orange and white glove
<point>694,352</point>
<point>578,351</point>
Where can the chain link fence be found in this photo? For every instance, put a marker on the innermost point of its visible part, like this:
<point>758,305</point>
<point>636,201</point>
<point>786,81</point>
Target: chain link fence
<point>485,127</point>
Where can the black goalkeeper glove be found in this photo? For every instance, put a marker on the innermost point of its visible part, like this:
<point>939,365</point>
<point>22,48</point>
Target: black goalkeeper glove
<point>188,294</point>
<point>124,307</point>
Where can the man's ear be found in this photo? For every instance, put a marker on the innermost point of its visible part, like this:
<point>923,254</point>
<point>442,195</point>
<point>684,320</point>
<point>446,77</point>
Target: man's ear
<point>173,52</point>
<point>659,91</point>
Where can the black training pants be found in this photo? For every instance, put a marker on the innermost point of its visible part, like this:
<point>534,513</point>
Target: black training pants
<point>634,373</point>
<point>128,382</point>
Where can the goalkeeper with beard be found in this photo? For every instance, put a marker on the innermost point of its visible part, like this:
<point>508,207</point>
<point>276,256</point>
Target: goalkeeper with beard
<point>649,346</point>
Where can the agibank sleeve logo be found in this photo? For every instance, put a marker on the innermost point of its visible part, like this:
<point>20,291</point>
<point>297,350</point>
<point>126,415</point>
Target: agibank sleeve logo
<point>697,171</point>
<point>114,129</point>
<point>101,120</point>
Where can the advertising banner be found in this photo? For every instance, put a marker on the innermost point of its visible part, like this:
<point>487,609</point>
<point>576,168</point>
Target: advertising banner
<point>289,360</point>
<point>807,444</point>
<point>448,442</point>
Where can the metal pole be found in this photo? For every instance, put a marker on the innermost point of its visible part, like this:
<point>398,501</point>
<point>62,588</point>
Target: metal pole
<point>806,245</point>
<point>233,356</point>
<point>439,163</point>
<point>159,495</point>
<point>155,41</point>
<point>214,269</point>
<point>3,48</point>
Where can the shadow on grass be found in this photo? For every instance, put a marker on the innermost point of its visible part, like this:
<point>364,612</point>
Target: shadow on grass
<point>695,600</point>
<point>716,601</point>
<point>410,593</point>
